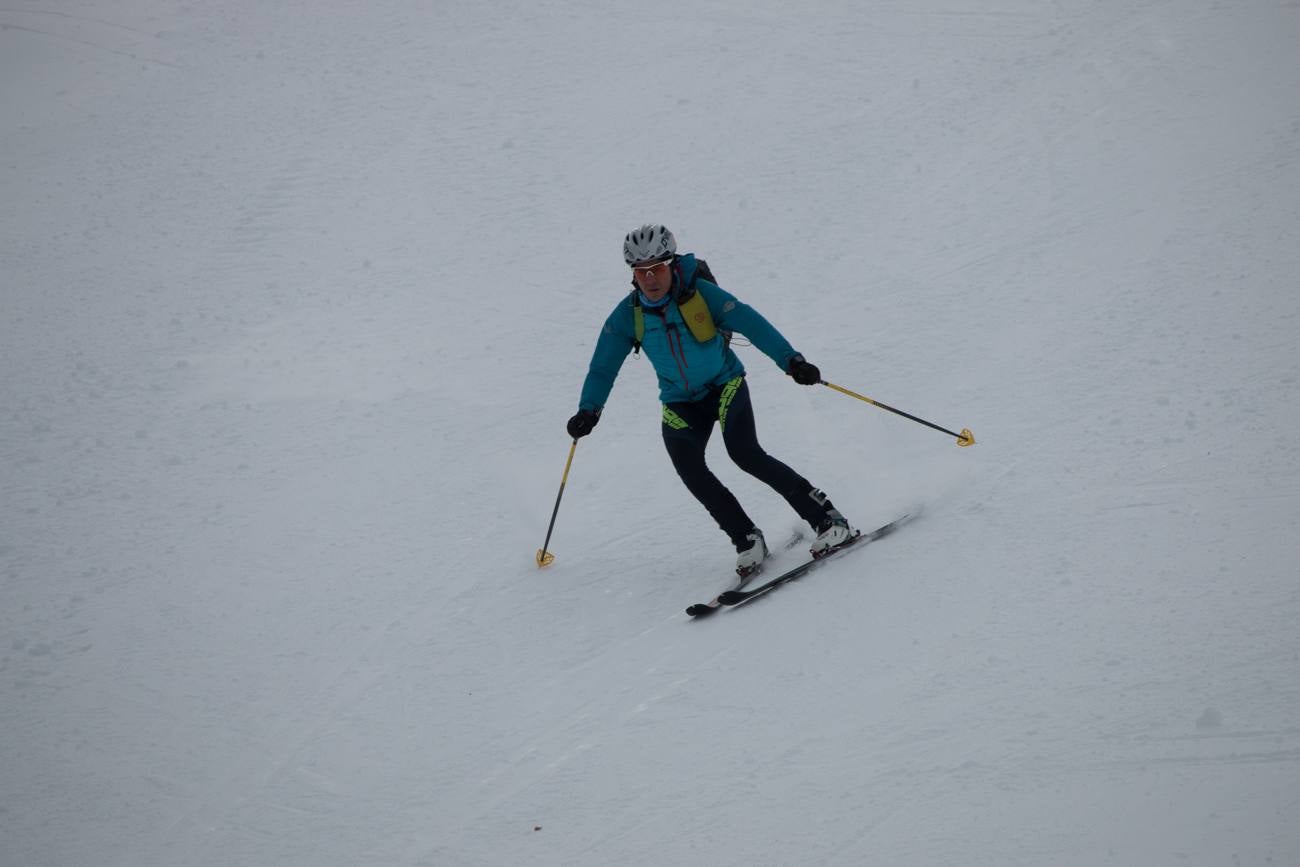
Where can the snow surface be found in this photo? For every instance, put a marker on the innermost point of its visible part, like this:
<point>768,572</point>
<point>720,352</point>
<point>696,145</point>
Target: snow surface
<point>297,298</point>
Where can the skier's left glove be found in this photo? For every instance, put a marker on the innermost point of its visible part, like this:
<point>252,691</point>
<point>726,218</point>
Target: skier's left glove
<point>803,372</point>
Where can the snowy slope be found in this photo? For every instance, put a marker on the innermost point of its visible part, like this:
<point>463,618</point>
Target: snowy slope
<point>298,296</point>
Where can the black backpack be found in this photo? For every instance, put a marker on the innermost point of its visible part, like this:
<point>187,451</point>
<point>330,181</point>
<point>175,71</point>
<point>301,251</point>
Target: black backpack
<point>682,297</point>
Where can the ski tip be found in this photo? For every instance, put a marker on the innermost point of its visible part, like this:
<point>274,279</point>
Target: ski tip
<point>701,609</point>
<point>730,597</point>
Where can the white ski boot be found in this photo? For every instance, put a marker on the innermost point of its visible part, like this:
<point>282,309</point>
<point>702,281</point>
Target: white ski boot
<point>751,558</point>
<point>831,533</point>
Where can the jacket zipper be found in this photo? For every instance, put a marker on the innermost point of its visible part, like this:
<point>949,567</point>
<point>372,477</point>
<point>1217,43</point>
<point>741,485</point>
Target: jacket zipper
<point>678,352</point>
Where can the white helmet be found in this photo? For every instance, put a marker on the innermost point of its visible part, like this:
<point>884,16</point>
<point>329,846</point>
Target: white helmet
<point>648,243</point>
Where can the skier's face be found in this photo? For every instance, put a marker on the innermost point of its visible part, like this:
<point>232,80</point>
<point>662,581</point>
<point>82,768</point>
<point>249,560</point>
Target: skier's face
<point>654,279</point>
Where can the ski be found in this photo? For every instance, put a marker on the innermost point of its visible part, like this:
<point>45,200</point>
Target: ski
<point>731,598</point>
<point>704,609</point>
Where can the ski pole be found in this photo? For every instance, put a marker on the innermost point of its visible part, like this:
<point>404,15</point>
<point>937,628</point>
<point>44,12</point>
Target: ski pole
<point>965,438</point>
<point>545,558</point>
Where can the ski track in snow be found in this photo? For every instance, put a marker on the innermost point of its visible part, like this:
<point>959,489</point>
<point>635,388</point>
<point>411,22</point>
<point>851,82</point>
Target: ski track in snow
<point>297,299</point>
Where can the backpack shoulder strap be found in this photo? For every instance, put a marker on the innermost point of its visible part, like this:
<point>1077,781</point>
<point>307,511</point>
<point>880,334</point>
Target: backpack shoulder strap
<point>695,310</point>
<point>696,315</point>
<point>638,323</point>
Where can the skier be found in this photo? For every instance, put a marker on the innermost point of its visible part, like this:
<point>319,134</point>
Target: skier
<point>683,321</point>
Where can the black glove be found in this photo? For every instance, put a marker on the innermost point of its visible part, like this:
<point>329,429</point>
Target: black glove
<point>803,372</point>
<point>582,423</point>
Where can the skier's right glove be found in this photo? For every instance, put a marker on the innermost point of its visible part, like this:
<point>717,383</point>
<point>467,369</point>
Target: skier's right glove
<point>803,372</point>
<point>582,423</point>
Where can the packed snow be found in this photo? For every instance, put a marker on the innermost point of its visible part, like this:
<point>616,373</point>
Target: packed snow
<point>297,298</point>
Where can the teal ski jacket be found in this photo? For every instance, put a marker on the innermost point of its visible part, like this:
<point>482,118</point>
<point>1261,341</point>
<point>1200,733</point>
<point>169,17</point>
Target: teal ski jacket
<point>687,368</point>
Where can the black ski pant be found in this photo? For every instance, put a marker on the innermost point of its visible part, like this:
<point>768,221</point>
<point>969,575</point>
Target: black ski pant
<point>686,430</point>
